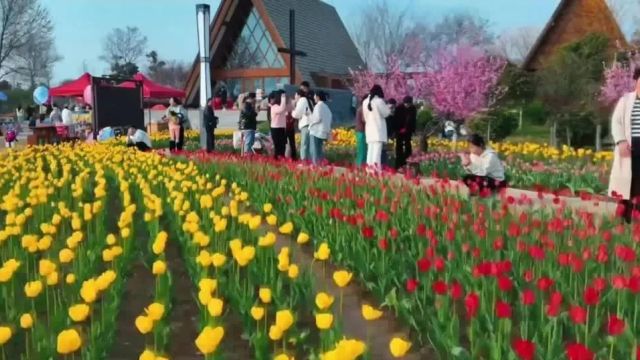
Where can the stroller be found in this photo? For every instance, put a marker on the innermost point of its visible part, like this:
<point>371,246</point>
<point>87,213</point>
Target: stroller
<point>262,143</point>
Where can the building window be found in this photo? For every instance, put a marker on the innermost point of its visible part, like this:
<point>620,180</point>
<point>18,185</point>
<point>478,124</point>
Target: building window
<point>254,48</point>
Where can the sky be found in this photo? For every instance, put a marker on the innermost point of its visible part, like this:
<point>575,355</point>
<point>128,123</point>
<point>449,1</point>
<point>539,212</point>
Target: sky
<point>170,26</point>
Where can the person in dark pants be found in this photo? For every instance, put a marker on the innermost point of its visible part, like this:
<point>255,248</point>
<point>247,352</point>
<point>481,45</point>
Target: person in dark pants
<point>406,118</point>
<point>290,134</point>
<point>210,124</point>
<point>279,110</point>
<point>139,139</point>
<point>624,183</point>
<point>391,121</point>
<point>484,169</point>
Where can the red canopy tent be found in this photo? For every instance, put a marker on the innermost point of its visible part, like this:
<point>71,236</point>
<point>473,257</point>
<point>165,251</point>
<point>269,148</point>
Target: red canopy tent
<point>73,88</point>
<point>153,90</point>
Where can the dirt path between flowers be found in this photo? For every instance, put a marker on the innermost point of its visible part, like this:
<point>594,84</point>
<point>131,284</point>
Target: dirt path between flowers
<point>376,333</point>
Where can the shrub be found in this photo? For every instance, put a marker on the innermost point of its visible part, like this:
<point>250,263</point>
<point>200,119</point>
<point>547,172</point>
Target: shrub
<point>535,113</point>
<point>502,124</point>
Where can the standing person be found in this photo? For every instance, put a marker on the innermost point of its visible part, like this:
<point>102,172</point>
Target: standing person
<point>278,110</point>
<point>406,116</point>
<point>391,126</point>
<point>361,141</point>
<point>375,111</point>
<point>176,106</point>
<point>290,134</point>
<point>302,112</point>
<point>139,139</point>
<point>210,124</point>
<point>624,182</point>
<point>174,131</point>
<point>66,116</point>
<point>20,114</point>
<point>248,122</point>
<point>55,116</point>
<point>483,166</point>
<point>319,127</point>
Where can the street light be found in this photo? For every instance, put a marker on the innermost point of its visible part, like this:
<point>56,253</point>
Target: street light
<point>203,19</point>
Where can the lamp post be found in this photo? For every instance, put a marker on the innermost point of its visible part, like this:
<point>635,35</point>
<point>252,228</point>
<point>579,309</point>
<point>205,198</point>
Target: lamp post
<point>203,19</point>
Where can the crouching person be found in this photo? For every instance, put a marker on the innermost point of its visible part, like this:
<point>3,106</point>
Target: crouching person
<point>485,171</point>
<point>139,139</point>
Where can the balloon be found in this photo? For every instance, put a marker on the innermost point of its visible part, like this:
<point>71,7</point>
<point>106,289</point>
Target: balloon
<point>41,95</point>
<point>88,95</point>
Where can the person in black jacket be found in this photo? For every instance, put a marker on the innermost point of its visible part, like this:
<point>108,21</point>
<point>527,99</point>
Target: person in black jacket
<point>248,122</point>
<point>210,124</point>
<point>406,118</point>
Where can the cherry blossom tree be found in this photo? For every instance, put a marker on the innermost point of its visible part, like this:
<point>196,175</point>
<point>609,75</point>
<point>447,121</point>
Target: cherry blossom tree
<point>462,81</point>
<point>618,79</point>
<point>395,83</point>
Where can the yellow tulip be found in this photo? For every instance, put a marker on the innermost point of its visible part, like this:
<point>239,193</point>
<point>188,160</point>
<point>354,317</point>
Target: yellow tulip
<point>207,284</point>
<point>265,295</point>
<point>159,267</point>
<point>203,258</point>
<point>46,267</point>
<point>303,238</point>
<point>283,357</point>
<point>65,256</point>
<point>144,324</point>
<point>33,289</point>
<point>399,347</point>
<point>275,333</point>
<point>155,311</point>
<point>209,339</point>
<point>323,252</point>
<point>293,271</point>
<point>272,220</point>
<point>147,355</point>
<point>218,259</point>
<point>268,240</point>
<point>324,321</point>
<point>286,229</point>
<point>89,291</point>
<point>70,278</point>
<point>267,208</point>
<point>5,334</point>
<point>26,321</point>
<point>257,312</point>
<point>68,342</point>
<point>255,222</point>
<point>79,312</point>
<point>52,279</point>
<point>204,296</point>
<point>284,319</point>
<point>215,307</point>
<point>342,278</point>
<point>369,313</point>
<point>323,300</point>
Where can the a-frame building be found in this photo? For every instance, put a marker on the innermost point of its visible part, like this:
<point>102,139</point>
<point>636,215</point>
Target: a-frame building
<point>572,21</point>
<point>246,35</point>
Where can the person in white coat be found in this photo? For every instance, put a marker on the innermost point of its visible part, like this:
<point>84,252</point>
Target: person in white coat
<point>375,112</point>
<point>319,127</point>
<point>624,183</point>
<point>484,169</point>
<point>302,112</point>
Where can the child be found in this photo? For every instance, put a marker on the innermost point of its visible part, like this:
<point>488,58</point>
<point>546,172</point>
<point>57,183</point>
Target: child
<point>174,130</point>
<point>10,136</point>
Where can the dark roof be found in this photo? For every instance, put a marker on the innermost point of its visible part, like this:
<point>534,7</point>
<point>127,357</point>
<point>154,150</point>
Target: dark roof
<point>320,33</point>
<point>544,35</point>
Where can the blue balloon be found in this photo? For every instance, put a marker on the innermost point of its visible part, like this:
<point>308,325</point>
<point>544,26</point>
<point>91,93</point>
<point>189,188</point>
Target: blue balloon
<point>41,95</point>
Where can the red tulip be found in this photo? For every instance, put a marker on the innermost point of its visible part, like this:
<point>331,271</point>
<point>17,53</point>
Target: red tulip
<point>424,264</point>
<point>504,283</point>
<point>503,310</point>
<point>591,296</point>
<point>615,325</point>
<point>599,284</point>
<point>439,264</point>
<point>412,285</point>
<point>544,283</point>
<point>393,233</point>
<point>578,314</point>
<point>367,232</point>
<point>471,304</point>
<point>536,253</point>
<point>528,297</point>
<point>439,287</point>
<point>634,284</point>
<point>528,275</point>
<point>577,351</point>
<point>383,244</point>
<point>524,349</point>
<point>619,282</point>
<point>456,290</point>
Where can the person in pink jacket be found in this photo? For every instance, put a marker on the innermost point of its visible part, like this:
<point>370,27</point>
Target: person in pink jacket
<point>279,111</point>
<point>624,183</point>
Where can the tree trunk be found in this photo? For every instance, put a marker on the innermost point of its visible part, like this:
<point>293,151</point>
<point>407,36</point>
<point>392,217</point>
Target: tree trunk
<point>520,119</point>
<point>568,137</point>
<point>489,131</point>
<point>424,142</point>
<point>599,137</point>
<point>553,139</point>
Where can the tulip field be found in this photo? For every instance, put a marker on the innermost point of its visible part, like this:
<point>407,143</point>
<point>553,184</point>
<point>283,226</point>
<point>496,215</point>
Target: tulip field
<point>110,253</point>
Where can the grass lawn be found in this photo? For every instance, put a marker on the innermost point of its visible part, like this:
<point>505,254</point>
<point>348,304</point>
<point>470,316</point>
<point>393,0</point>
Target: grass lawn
<point>530,133</point>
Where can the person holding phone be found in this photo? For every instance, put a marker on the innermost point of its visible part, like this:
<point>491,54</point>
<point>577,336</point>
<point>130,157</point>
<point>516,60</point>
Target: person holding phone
<point>484,169</point>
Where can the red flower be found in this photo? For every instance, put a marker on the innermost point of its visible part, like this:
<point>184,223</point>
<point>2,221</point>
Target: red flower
<point>619,282</point>
<point>615,325</point>
<point>528,275</point>
<point>503,310</point>
<point>591,296</point>
<point>439,287</point>
<point>544,283</point>
<point>536,253</point>
<point>412,285</point>
<point>367,232</point>
<point>525,349</point>
<point>439,264</point>
<point>383,244</point>
<point>471,304</point>
<point>456,290</point>
<point>528,297</point>
<point>424,264</point>
<point>498,244</point>
<point>504,283</point>
<point>599,284</point>
<point>625,253</point>
<point>393,233</point>
<point>577,351</point>
<point>578,314</point>
<point>382,216</point>
<point>634,284</point>
<point>421,230</point>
